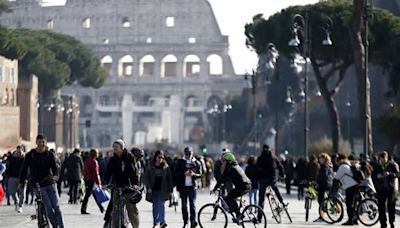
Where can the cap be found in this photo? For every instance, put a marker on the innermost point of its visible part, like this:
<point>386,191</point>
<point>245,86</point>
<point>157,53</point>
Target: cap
<point>187,149</point>
<point>120,142</point>
<point>137,152</point>
<point>228,156</point>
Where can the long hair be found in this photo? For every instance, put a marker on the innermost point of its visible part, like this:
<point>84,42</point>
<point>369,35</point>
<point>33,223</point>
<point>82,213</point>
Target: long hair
<point>158,153</point>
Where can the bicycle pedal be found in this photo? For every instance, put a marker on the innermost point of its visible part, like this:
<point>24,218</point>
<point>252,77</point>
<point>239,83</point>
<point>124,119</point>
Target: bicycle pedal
<point>33,217</point>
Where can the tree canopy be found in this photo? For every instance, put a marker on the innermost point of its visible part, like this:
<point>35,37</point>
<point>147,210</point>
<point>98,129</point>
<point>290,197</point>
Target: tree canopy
<point>57,60</point>
<point>329,63</point>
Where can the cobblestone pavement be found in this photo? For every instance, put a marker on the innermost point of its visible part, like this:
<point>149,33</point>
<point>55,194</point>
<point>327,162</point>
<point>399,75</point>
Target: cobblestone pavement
<point>10,218</point>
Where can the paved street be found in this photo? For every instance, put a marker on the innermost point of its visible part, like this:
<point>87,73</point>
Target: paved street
<point>9,218</point>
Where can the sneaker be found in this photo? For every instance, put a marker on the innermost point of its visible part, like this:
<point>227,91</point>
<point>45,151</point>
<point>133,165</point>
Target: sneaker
<point>238,220</point>
<point>85,213</point>
<point>193,224</point>
<point>19,210</point>
<point>163,225</point>
<point>107,225</point>
<point>16,207</point>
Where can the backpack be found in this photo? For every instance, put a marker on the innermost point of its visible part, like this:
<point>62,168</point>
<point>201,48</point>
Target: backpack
<point>358,175</point>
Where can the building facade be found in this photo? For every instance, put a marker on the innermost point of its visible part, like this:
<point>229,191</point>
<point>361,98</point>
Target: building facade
<point>168,64</point>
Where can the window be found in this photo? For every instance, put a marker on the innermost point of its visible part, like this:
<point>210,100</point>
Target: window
<point>170,22</point>
<point>192,40</point>
<point>50,24</point>
<point>125,22</point>
<point>86,23</point>
<point>148,40</point>
<point>12,75</point>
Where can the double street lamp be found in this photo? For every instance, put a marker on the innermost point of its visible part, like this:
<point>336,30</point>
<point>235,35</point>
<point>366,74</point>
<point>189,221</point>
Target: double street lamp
<point>301,27</point>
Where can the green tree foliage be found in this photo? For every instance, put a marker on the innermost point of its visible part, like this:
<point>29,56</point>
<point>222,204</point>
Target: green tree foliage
<point>58,60</point>
<point>389,125</point>
<point>329,63</point>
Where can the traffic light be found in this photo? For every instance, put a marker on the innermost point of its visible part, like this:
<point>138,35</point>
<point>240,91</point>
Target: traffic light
<point>259,115</point>
<point>203,148</point>
<point>286,151</point>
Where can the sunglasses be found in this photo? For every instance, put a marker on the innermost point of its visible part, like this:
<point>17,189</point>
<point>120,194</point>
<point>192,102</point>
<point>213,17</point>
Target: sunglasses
<point>161,157</point>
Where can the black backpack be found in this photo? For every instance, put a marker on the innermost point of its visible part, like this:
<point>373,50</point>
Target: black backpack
<point>358,175</point>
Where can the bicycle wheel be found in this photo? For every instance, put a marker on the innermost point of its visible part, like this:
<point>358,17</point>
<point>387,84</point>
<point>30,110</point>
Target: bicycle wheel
<point>331,211</point>
<point>212,215</point>
<point>287,213</point>
<point>42,218</point>
<point>275,209</point>
<point>253,216</point>
<point>307,206</point>
<point>367,212</point>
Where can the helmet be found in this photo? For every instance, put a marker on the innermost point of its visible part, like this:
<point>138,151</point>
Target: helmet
<point>137,152</point>
<point>229,157</point>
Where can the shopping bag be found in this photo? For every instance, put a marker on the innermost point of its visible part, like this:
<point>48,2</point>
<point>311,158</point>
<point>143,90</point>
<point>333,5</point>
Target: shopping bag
<point>101,194</point>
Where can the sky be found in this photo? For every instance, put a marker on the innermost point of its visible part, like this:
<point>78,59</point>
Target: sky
<point>232,15</point>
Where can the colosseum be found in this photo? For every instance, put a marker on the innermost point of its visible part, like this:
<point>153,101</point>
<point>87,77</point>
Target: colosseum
<point>168,65</point>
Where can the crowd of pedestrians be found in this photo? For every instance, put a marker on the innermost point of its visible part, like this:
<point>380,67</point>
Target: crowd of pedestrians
<point>158,175</point>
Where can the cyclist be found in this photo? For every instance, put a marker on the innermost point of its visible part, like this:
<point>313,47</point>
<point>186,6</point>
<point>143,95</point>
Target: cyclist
<point>42,164</point>
<point>241,182</point>
<point>122,171</point>
<point>267,166</point>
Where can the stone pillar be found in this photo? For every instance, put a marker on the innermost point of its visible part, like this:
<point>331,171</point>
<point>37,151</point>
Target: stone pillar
<point>127,119</point>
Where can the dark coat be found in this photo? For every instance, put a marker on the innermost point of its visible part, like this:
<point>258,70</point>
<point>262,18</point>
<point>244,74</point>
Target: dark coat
<point>268,166</point>
<point>122,171</point>
<point>387,183</point>
<point>179,173</point>
<point>166,183</point>
<point>237,175</point>
<point>252,174</point>
<point>73,167</point>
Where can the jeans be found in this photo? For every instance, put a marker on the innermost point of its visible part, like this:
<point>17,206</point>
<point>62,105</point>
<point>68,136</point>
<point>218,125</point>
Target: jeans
<point>350,193</point>
<point>52,205</point>
<point>253,196</point>
<point>263,184</point>
<point>231,198</point>
<point>14,188</point>
<point>188,193</point>
<point>386,198</point>
<point>158,208</point>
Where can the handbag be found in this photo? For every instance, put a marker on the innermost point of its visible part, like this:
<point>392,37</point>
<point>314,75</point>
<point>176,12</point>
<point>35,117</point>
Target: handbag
<point>149,196</point>
<point>101,195</point>
<point>134,194</point>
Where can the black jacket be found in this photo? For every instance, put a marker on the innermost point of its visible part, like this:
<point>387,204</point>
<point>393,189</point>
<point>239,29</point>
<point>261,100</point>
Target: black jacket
<point>42,166</point>
<point>236,174</point>
<point>73,166</point>
<point>268,166</point>
<point>179,173</point>
<point>14,166</point>
<point>123,171</point>
<point>252,174</point>
<point>386,183</point>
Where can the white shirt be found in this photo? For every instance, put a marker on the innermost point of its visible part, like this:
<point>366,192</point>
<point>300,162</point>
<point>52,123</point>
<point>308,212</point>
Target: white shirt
<point>188,179</point>
<point>345,176</point>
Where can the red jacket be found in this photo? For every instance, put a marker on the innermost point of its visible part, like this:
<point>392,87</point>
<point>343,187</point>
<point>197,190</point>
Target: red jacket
<point>91,170</point>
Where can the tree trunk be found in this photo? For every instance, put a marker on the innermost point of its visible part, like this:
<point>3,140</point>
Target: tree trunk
<point>331,107</point>
<point>363,85</point>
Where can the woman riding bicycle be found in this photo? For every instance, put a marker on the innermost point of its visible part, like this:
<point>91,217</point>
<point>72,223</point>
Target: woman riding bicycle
<point>241,182</point>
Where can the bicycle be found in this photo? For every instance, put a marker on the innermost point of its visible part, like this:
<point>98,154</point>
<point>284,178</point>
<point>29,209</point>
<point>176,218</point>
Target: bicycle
<point>366,207</point>
<point>276,207</point>
<point>122,218</point>
<point>215,214</point>
<point>40,215</point>
<point>310,195</point>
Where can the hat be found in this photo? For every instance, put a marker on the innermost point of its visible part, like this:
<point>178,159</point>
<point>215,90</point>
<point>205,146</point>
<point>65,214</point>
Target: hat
<point>120,142</point>
<point>226,150</point>
<point>137,152</point>
<point>229,157</point>
<point>187,149</point>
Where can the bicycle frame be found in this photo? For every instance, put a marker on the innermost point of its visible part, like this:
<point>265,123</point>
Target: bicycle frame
<point>41,214</point>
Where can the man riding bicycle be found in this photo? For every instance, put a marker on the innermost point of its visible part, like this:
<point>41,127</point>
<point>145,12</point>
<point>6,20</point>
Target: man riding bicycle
<point>241,182</point>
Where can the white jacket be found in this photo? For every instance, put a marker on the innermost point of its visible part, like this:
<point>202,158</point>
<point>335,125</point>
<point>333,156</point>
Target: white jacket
<point>345,176</point>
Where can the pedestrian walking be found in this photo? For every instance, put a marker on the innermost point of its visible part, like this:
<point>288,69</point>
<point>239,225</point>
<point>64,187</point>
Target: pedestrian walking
<point>91,177</point>
<point>385,176</point>
<point>301,171</point>
<point>252,174</point>
<point>159,185</point>
<point>187,174</point>
<point>15,189</point>
<point>44,171</point>
<point>73,168</point>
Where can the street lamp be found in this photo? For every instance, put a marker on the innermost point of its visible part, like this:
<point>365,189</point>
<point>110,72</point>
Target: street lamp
<point>301,26</point>
<point>225,109</point>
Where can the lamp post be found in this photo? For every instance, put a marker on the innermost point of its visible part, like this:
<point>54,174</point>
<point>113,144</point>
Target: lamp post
<point>301,26</point>
<point>225,109</point>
